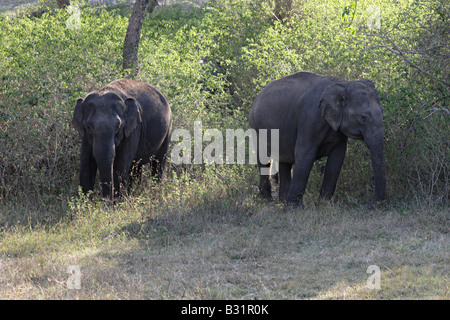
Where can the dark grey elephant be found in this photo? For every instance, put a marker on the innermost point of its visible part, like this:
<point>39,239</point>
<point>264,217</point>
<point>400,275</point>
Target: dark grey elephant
<point>315,116</point>
<point>124,125</point>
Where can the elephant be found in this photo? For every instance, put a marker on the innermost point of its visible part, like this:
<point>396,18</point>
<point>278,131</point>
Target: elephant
<point>315,116</point>
<point>123,126</point>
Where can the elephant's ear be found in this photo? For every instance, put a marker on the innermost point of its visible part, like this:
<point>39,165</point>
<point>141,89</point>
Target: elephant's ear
<point>331,103</point>
<point>77,120</point>
<point>132,116</point>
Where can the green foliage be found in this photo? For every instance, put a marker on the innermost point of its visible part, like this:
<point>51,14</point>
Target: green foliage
<point>45,68</point>
<point>210,63</point>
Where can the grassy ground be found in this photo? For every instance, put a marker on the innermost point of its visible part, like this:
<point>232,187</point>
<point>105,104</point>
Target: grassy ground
<point>240,249</point>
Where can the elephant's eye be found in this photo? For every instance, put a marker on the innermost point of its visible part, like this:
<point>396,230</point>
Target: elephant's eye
<point>362,118</point>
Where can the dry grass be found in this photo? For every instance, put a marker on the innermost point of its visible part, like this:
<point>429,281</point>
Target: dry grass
<point>241,251</point>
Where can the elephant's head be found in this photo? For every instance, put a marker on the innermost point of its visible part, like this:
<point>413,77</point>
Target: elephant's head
<point>104,121</point>
<point>353,108</point>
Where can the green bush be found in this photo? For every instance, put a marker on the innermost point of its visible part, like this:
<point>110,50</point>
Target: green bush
<point>45,68</point>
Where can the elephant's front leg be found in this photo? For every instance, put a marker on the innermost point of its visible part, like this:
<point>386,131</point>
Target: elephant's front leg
<point>304,159</point>
<point>332,170</point>
<point>121,180</point>
<point>122,167</point>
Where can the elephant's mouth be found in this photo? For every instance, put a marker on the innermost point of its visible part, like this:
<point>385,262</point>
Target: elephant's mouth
<point>358,136</point>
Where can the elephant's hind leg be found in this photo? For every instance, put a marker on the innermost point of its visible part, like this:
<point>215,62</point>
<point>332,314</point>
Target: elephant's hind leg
<point>265,188</point>
<point>285,180</point>
<point>158,163</point>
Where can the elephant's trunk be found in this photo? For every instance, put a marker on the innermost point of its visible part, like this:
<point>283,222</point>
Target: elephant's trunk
<point>375,143</point>
<point>104,154</point>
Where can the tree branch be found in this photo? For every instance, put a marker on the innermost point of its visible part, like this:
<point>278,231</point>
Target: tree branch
<point>396,50</point>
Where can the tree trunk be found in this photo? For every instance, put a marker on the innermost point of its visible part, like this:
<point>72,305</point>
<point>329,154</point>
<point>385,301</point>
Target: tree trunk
<point>63,3</point>
<point>131,43</point>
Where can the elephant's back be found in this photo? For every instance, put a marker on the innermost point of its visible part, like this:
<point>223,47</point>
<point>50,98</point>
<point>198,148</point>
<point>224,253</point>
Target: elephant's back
<point>274,107</point>
<point>282,100</point>
<point>146,94</point>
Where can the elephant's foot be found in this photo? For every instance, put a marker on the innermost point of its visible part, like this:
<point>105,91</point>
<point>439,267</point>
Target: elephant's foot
<point>324,200</point>
<point>108,204</point>
<point>294,204</point>
<point>282,197</point>
<point>265,196</point>
<point>372,204</point>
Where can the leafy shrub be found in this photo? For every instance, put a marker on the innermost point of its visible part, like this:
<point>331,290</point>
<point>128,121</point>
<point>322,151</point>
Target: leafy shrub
<point>45,68</point>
